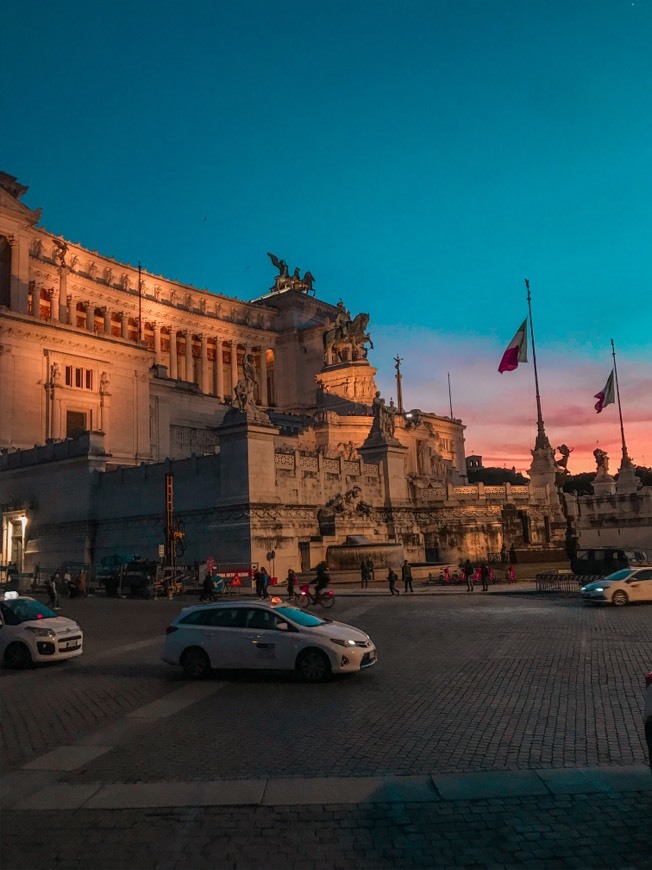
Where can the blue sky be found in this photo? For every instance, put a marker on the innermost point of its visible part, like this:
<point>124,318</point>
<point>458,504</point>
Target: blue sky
<point>420,158</point>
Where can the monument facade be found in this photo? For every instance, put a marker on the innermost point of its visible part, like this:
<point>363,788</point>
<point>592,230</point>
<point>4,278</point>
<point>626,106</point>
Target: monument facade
<point>266,412</point>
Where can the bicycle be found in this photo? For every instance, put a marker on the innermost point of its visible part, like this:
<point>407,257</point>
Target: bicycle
<point>326,597</point>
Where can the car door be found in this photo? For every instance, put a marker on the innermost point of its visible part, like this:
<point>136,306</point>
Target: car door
<point>215,629</point>
<point>640,585</point>
<point>268,640</point>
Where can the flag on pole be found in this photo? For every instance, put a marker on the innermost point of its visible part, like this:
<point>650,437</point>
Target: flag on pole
<point>606,396</point>
<point>516,350</point>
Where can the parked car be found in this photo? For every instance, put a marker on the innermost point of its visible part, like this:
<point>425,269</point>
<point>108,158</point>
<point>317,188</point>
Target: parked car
<point>621,587</point>
<point>269,635</point>
<point>30,632</point>
<point>647,715</point>
<point>599,560</point>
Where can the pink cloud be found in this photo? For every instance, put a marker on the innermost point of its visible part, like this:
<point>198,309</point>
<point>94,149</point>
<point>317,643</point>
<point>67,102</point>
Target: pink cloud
<point>500,412</point>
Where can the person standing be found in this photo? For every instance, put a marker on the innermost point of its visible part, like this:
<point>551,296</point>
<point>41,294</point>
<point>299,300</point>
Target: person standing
<point>392,576</point>
<point>406,575</point>
<point>370,569</point>
<point>258,580</point>
<point>292,577</point>
<point>264,583</point>
<point>484,576</point>
<point>364,575</point>
<point>468,573</point>
<point>52,587</point>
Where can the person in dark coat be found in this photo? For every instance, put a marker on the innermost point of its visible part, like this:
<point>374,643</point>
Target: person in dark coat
<point>484,576</point>
<point>406,574</point>
<point>264,583</point>
<point>468,573</point>
<point>392,576</point>
<point>258,580</point>
<point>292,577</point>
<point>364,575</point>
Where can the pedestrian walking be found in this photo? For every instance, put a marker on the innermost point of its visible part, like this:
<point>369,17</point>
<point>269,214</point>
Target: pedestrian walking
<point>484,576</point>
<point>52,588</point>
<point>370,569</point>
<point>83,583</point>
<point>468,573</point>
<point>511,574</point>
<point>364,574</point>
<point>258,580</point>
<point>208,587</point>
<point>292,577</point>
<point>392,576</point>
<point>35,577</point>
<point>512,554</point>
<point>406,575</point>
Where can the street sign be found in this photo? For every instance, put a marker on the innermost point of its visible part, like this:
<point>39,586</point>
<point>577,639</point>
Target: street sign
<point>161,551</point>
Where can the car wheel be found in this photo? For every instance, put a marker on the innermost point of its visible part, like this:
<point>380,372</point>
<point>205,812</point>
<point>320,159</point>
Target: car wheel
<point>195,663</point>
<point>619,598</point>
<point>18,656</point>
<point>327,599</point>
<point>313,666</point>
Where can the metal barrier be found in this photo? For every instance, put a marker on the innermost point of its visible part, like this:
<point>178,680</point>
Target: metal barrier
<point>568,584</point>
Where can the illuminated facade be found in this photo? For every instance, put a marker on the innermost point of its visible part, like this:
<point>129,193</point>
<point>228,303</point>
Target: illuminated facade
<point>109,375</point>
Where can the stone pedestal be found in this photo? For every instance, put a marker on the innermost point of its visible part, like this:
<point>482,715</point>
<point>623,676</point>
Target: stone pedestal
<point>347,387</point>
<point>392,460</point>
<point>247,459</point>
<point>627,482</point>
<point>604,484</point>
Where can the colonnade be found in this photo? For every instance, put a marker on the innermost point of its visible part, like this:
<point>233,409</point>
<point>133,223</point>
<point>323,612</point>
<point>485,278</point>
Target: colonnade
<point>164,341</point>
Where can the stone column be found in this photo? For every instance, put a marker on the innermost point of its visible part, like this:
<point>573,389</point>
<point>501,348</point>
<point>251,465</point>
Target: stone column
<point>70,318</point>
<point>157,343</point>
<point>174,367</point>
<point>263,378</point>
<point>190,373</point>
<point>219,372</point>
<point>107,321</point>
<point>90,315</point>
<point>19,282</point>
<point>203,380</point>
<point>234,365</point>
<point>58,293</point>
<point>124,330</point>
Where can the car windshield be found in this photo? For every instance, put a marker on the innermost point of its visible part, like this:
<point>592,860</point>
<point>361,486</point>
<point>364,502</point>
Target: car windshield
<point>620,575</point>
<point>300,617</point>
<point>24,610</point>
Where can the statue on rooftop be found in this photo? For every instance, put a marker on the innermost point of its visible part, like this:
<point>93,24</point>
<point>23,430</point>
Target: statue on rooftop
<point>285,281</point>
<point>602,461</point>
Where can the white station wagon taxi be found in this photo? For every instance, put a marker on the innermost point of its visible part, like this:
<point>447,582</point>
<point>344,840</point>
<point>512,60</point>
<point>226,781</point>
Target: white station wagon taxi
<point>32,633</point>
<point>272,635</point>
<point>621,587</point>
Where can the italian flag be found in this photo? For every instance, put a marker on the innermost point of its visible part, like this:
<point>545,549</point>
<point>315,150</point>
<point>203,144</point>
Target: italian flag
<point>606,395</point>
<point>516,350</point>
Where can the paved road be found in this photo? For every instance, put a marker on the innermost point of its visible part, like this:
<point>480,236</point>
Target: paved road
<point>494,685</point>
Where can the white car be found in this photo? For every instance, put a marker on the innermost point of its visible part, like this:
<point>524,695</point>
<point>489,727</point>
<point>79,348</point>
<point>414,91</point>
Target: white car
<point>269,635</point>
<point>32,633</point>
<point>621,587</point>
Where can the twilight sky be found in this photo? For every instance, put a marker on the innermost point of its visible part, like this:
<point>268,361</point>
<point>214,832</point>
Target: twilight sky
<point>419,157</point>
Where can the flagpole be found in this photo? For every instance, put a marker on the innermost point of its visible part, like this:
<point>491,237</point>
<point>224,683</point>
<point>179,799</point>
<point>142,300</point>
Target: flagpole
<point>450,395</point>
<point>542,438</point>
<point>626,458</point>
<point>140,305</point>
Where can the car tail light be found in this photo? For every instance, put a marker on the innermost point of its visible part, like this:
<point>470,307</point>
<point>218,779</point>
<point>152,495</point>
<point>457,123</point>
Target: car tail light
<point>648,679</point>
<point>170,629</point>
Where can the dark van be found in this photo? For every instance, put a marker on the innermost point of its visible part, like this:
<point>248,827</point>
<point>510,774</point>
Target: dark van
<point>599,560</point>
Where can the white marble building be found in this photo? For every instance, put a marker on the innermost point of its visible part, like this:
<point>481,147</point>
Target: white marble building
<point>111,377</point>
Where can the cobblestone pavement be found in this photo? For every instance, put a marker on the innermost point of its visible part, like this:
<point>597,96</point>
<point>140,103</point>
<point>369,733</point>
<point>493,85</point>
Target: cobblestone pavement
<point>543,832</point>
<point>477,683</point>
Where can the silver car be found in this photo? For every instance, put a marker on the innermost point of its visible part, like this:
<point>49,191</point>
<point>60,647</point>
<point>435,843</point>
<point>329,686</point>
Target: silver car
<point>621,587</point>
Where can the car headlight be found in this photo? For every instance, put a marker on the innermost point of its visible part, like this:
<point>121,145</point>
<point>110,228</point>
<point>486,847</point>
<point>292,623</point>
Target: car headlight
<point>598,589</point>
<point>342,642</point>
<point>40,632</point>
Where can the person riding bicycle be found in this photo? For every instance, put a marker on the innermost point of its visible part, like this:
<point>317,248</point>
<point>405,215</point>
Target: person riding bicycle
<point>322,579</point>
